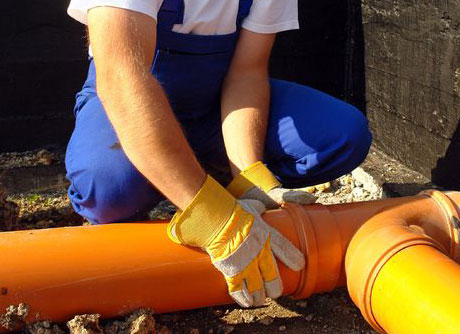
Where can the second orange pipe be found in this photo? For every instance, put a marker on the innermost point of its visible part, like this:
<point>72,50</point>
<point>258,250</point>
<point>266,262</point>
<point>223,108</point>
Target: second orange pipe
<point>115,269</point>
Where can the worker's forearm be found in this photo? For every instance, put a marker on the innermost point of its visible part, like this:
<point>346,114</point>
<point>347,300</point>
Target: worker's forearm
<point>151,136</point>
<point>245,108</point>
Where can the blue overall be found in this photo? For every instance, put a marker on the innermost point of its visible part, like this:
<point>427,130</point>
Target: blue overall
<point>311,137</point>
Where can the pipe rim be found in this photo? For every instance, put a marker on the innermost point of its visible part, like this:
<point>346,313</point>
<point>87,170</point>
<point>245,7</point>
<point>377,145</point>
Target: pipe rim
<point>308,246</point>
<point>385,241</point>
<point>377,267</point>
<point>452,218</point>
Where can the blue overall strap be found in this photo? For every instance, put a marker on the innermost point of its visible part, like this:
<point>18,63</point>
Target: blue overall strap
<point>171,13</point>
<point>243,11</point>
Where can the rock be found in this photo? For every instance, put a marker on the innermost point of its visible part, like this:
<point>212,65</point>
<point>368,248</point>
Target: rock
<point>248,318</point>
<point>346,180</point>
<point>143,323</point>
<point>358,193</point>
<point>44,327</point>
<point>45,157</point>
<point>218,313</point>
<point>85,324</point>
<point>226,329</point>
<point>368,182</point>
<point>139,322</point>
<point>266,321</point>
<point>14,316</point>
<point>310,190</point>
<point>282,328</point>
<point>302,304</point>
<point>323,187</point>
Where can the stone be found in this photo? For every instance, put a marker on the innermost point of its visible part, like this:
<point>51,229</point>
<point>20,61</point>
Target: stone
<point>358,192</point>
<point>302,304</point>
<point>266,321</point>
<point>365,180</point>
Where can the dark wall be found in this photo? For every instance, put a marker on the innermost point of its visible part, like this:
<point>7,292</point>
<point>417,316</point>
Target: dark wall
<point>412,72</point>
<point>43,64</point>
<point>327,53</point>
<point>413,83</point>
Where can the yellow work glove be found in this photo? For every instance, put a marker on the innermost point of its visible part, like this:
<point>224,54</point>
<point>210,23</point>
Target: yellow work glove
<point>240,243</point>
<point>257,182</point>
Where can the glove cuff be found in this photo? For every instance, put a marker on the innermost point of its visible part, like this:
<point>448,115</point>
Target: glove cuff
<point>205,216</point>
<point>256,175</point>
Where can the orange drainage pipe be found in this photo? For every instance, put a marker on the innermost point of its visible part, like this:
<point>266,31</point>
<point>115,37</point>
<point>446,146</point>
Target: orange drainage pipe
<point>117,268</point>
<point>401,271</point>
<point>418,291</point>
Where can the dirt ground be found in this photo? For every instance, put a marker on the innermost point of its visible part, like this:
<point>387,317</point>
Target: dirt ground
<point>331,313</point>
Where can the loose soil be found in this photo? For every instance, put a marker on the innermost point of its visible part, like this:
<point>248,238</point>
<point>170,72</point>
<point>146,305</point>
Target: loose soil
<point>39,157</point>
<point>14,316</point>
<point>44,327</point>
<point>37,210</point>
<point>85,324</point>
<point>139,322</point>
<point>331,313</point>
<point>9,213</point>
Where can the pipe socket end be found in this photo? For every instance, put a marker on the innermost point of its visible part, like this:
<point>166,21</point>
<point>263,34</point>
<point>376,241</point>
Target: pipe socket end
<point>369,251</point>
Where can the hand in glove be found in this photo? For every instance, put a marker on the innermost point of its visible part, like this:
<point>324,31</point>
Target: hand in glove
<point>240,243</point>
<point>257,182</point>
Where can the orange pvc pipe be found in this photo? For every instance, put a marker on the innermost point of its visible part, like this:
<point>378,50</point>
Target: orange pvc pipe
<point>391,244</point>
<point>418,292</point>
<point>114,269</point>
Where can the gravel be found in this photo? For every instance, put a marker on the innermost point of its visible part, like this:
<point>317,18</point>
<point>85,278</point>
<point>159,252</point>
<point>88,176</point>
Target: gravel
<point>41,157</point>
<point>37,210</point>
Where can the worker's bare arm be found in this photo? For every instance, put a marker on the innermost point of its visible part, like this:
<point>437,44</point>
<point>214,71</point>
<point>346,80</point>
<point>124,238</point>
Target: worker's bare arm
<point>123,46</point>
<point>245,100</point>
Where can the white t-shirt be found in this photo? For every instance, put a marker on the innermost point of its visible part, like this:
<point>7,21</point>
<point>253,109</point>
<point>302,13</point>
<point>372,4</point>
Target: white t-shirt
<point>207,17</point>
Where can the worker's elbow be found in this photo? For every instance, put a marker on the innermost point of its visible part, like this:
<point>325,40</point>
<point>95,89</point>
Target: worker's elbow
<point>241,74</point>
<point>107,84</point>
<point>117,83</point>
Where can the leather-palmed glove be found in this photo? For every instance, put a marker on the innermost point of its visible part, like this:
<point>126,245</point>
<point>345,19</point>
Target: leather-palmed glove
<point>240,243</point>
<point>257,182</point>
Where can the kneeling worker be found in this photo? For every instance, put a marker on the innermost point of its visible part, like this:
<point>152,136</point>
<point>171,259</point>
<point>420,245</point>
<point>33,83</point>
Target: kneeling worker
<point>174,85</point>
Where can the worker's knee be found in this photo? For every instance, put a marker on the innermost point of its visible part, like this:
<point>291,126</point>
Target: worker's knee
<point>357,138</point>
<point>340,146</point>
<point>105,192</point>
<point>347,145</point>
<point>347,148</point>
